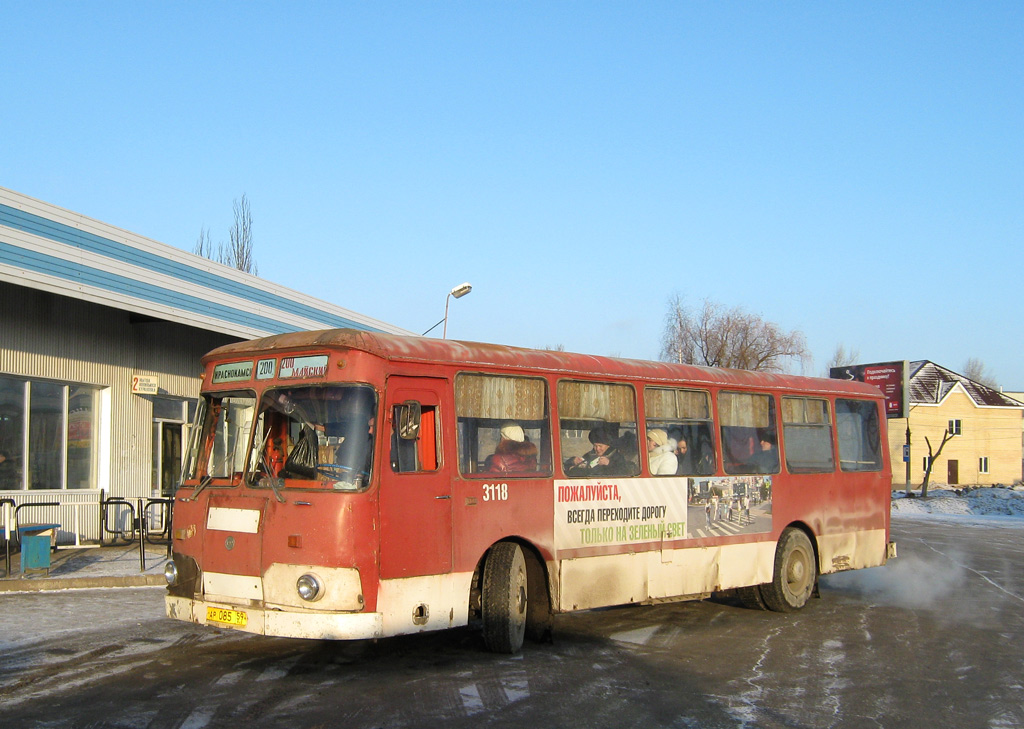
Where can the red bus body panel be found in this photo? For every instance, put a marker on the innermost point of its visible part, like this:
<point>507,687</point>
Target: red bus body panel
<point>413,526</point>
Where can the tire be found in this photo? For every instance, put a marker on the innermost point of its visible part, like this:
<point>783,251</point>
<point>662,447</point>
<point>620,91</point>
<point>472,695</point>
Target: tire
<point>504,598</point>
<point>750,597</point>
<point>796,573</point>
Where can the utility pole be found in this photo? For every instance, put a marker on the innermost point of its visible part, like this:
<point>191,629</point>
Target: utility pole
<point>908,454</point>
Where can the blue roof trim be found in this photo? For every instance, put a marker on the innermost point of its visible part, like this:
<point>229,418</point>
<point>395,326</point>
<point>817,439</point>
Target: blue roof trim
<point>65,234</point>
<point>88,276</point>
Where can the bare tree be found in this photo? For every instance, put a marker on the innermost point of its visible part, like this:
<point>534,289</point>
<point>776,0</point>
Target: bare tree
<point>720,337</point>
<point>204,246</point>
<point>946,437</point>
<point>974,369</point>
<point>842,358</point>
<point>238,252</point>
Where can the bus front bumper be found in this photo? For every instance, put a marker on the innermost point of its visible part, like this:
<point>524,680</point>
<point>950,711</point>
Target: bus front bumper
<point>281,623</point>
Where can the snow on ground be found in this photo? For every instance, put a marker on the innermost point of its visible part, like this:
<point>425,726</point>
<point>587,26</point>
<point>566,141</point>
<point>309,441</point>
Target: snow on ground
<point>944,500</point>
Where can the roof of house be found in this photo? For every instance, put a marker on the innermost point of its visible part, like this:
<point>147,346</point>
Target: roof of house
<point>931,383</point>
<point>46,247</point>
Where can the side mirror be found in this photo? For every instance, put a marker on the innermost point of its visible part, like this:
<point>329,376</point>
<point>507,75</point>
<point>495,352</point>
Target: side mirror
<point>409,413</point>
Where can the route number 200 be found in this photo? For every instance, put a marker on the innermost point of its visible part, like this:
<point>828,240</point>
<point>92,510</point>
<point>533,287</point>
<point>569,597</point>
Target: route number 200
<point>495,492</point>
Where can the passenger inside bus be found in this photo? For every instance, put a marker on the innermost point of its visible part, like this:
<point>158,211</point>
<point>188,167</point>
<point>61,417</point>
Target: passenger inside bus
<point>514,452</point>
<point>660,455</point>
<point>604,459</point>
<point>766,458</point>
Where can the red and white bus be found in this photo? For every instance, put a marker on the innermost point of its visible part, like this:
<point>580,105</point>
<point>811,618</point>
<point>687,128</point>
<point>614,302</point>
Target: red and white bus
<point>344,484</point>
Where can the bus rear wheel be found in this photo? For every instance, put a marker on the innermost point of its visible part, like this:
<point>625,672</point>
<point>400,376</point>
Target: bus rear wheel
<point>795,573</point>
<point>504,598</point>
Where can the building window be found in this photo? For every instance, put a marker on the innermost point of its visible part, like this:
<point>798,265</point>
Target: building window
<point>954,427</point>
<point>48,435</point>
<point>983,464</point>
<point>924,463</point>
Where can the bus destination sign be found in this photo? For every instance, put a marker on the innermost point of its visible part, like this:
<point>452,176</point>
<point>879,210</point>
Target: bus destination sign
<point>232,372</point>
<point>293,368</point>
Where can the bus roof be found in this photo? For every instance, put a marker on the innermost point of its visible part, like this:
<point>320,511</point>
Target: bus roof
<point>466,355</point>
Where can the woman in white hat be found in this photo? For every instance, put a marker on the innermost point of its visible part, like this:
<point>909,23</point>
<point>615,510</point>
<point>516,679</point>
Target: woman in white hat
<point>514,452</point>
<point>660,457</point>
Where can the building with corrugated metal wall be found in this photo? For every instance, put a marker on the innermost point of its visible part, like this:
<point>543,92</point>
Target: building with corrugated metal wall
<point>101,331</point>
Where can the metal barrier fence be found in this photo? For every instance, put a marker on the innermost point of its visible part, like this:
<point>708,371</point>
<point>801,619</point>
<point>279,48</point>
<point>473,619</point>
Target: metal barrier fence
<point>77,511</point>
<point>87,515</point>
<point>142,520</point>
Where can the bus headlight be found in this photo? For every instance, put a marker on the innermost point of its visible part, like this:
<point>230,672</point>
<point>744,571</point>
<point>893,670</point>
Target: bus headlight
<point>310,588</point>
<point>171,573</point>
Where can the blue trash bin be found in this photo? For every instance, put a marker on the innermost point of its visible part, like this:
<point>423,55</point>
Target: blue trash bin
<point>35,553</point>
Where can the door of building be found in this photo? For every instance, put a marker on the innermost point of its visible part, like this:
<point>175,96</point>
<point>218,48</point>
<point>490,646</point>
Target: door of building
<point>169,431</point>
<point>953,472</point>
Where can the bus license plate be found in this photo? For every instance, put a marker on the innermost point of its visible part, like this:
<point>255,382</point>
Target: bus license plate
<point>229,617</point>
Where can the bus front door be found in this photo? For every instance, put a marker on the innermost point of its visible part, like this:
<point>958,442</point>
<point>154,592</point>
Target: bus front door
<point>415,490</point>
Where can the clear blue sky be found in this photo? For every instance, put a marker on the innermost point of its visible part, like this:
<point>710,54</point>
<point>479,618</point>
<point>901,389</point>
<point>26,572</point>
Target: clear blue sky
<point>851,170</point>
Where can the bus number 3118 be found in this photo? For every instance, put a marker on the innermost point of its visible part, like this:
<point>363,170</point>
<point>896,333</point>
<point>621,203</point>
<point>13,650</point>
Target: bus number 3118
<point>495,492</point>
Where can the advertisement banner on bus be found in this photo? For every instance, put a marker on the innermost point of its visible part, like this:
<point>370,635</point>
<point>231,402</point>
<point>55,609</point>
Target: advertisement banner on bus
<point>643,510</point>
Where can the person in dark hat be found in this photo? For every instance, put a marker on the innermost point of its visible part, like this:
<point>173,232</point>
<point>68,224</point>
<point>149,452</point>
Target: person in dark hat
<point>766,459</point>
<point>604,459</point>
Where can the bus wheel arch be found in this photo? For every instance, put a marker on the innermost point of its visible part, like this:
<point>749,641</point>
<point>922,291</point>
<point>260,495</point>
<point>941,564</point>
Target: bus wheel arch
<point>514,601</point>
<point>795,571</point>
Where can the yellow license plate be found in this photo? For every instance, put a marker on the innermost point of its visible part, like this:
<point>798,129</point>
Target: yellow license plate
<point>229,617</point>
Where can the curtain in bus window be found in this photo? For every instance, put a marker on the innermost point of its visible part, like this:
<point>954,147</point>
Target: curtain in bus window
<point>857,426</point>
<point>749,439</point>
<point>807,435</point>
<point>598,429</point>
<point>503,425</point>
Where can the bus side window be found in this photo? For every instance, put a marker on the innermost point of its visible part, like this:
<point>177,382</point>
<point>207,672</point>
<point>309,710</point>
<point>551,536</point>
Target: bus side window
<point>419,453</point>
<point>598,426</point>
<point>807,432</point>
<point>685,416</point>
<point>503,426</point>
<point>857,425</point>
<point>749,438</point>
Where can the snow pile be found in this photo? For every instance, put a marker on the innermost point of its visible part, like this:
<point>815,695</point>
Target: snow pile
<point>942,499</point>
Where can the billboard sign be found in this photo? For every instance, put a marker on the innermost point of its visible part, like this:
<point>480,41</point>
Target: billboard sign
<point>892,378</point>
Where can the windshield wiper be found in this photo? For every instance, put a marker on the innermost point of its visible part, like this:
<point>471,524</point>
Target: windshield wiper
<point>275,485</point>
<point>203,483</point>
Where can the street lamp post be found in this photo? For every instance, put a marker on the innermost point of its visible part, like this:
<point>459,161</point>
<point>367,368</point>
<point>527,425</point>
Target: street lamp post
<point>458,292</point>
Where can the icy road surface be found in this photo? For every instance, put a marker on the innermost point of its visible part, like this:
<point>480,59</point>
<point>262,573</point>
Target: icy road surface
<point>933,639</point>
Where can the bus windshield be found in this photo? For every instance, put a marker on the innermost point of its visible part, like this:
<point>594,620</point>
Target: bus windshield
<point>315,437</point>
<point>218,447</point>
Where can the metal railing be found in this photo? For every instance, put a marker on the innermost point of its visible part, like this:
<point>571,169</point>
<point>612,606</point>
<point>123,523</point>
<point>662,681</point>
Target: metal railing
<point>141,520</point>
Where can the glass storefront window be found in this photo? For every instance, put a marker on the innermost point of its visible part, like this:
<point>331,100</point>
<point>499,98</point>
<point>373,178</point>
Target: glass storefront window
<point>12,433</point>
<point>45,435</point>
<point>48,435</point>
<point>83,412</point>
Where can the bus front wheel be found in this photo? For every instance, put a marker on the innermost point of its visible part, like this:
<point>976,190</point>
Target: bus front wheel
<point>504,598</point>
<point>795,573</point>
